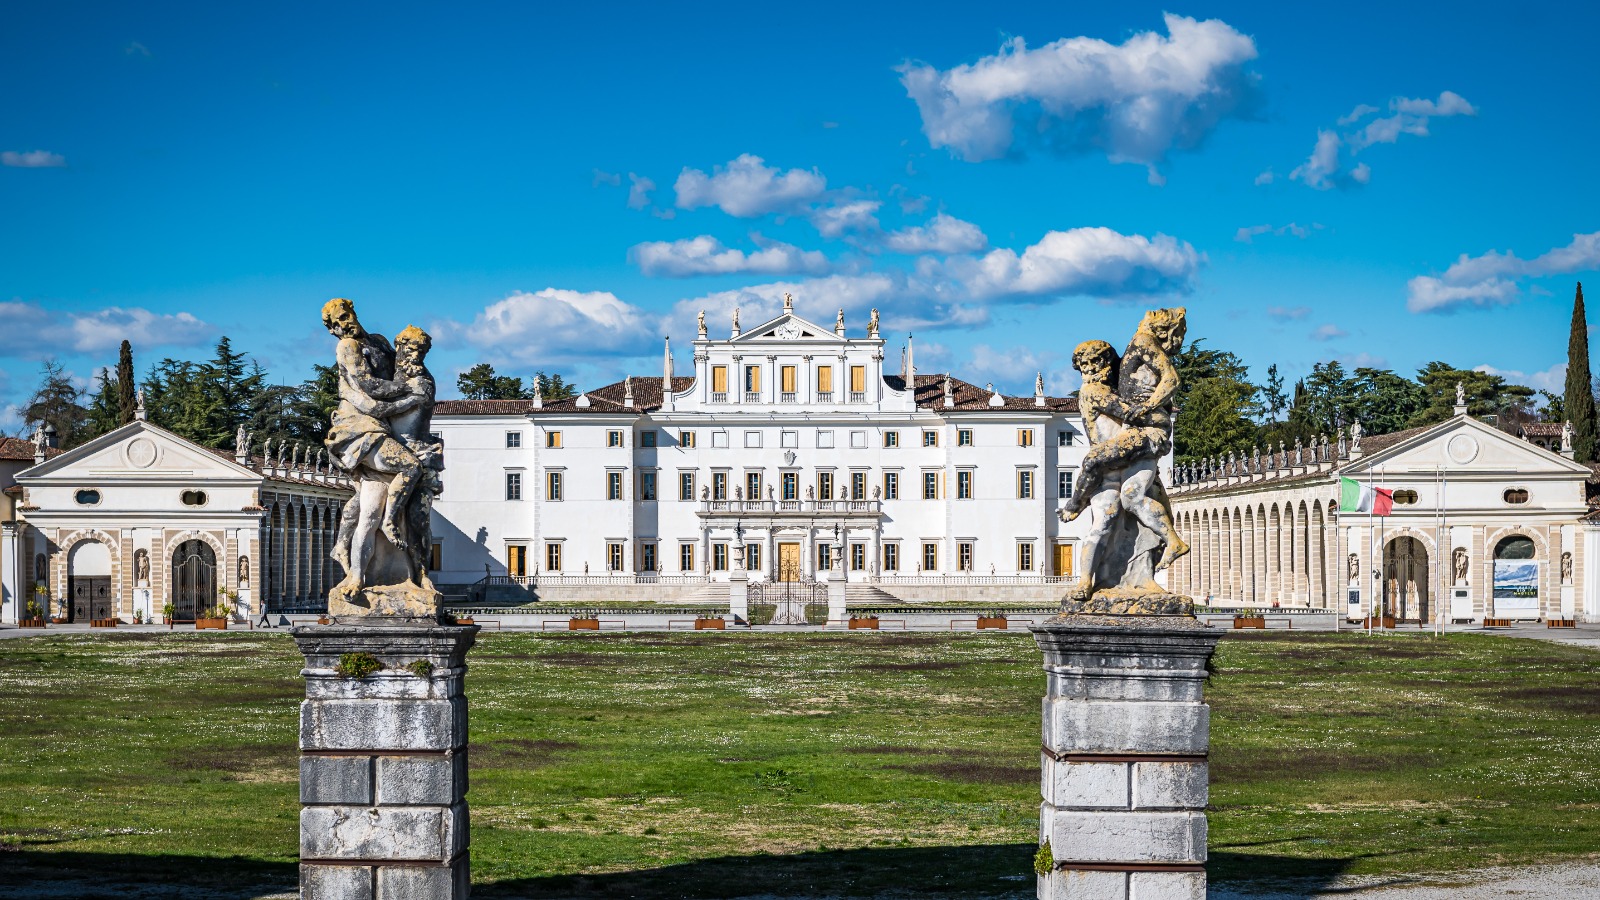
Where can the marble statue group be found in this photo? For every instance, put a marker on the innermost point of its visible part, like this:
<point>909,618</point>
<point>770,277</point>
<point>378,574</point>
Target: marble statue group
<point>1127,407</point>
<point>380,437</point>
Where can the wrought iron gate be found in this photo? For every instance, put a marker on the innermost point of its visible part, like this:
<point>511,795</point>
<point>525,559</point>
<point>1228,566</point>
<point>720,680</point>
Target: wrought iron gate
<point>788,603</point>
<point>194,579</point>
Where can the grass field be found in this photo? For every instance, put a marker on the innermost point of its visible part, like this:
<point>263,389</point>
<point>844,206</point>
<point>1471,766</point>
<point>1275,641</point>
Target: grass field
<point>702,765</point>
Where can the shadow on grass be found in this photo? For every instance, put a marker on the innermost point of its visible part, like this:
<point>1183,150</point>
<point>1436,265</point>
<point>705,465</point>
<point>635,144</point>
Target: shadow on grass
<point>992,870</point>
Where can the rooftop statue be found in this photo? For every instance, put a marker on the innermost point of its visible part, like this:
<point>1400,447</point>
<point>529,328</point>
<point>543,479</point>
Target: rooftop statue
<point>1127,410</point>
<point>380,438</point>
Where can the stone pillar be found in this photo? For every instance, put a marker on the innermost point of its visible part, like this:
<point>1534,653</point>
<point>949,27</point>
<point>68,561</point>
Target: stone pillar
<point>1126,733</point>
<point>383,763</point>
<point>837,612</point>
<point>11,599</point>
<point>739,594</point>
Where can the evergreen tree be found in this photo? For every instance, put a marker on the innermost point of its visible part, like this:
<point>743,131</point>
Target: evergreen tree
<point>481,383</point>
<point>551,387</point>
<point>127,405</point>
<point>1216,402</point>
<point>105,413</point>
<point>1488,395</point>
<point>1578,401</point>
<point>57,402</point>
<point>1273,399</point>
<point>1554,409</point>
<point>1384,401</point>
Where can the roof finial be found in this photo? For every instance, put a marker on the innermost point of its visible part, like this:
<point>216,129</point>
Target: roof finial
<point>1038,389</point>
<point>735,321</point>
<point>949,392</point>
<point>788,302</point>
<point>838,323</point>
<point>538,391</point>
<point>138,411</point>
<point>627,392</point>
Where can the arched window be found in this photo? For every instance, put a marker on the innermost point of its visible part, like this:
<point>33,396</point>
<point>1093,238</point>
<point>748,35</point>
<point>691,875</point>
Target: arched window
<point>194,498</point>
<point>1516,495</point>
<point>1405,497</point>
<point>1514,547</point>
<point>87,497</point>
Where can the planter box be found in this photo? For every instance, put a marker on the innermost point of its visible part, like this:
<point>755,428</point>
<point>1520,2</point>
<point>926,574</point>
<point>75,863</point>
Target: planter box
<point>202,624</point>
<point>867,624</point>
<point>1249,622</point>
<point>1378,622</point>
<point>104,623</point>
<point>576,624</point>
<point>705,625</point>
<point>323,620</point>
<point>1496,623</point>
<point>31,623</point>
<point>1561,623</point>
<point>992,622</point>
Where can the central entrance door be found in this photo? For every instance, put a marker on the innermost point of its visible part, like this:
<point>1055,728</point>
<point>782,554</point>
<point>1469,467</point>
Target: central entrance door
<point>788,562</point>
<point>1406,580</point>
<point>91,597</point>
<point>194,579</point>
<point>1064,560</point>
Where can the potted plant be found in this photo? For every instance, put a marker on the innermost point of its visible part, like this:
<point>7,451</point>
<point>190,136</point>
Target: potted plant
<point>998,620</point>
<point>167,611</point>
<point>868,621</point>
<point>712,623</point>
<point>215,617</point>
<point>583,623</point>
<point>1249,618</point>
<point>34,617</point>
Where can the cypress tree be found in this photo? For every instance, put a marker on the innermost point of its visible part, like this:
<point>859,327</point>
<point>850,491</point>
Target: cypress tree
<point>1579,399</point>
<point>125,402</point>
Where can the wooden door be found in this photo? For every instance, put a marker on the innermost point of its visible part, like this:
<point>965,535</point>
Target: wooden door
<point>1064,559</point>
<point>91,598</point>
<point>788,562</point>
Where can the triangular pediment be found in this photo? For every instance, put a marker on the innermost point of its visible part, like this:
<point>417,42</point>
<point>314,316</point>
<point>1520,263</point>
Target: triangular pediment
<point>1461,446</point>
<point>788,327</point>
<point>138,450</point>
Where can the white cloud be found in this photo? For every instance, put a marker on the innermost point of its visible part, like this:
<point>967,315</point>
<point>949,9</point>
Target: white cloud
<point>1363,360</point>
<point>839,219</point>
<point>1331,162</point>
<point>1248,234</point>
<point>1328,332</point>
<point>135,48</point>
<point>603,177</point>
<point>33,159</point>
<point>1288,314</point>
<point>1135,101</point>
<point>639,188</point>
<point>943,234</point>
<point>1491,279</point>
<point>558,324</point>
<point>1553,379</point>
<point>1265,178</point>
<point>1013,369</point>
<point>1096,262</point>
<point>51,331</point>
<point>747,187</point>
<point>705,255</point>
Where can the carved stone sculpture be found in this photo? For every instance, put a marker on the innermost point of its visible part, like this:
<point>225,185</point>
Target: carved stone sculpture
<point>380,438</point>
<point>1566,437</point>
<point>1354,565</point>
<point>1458,566</point>
<point>244,569</point>
<point>1127,405</point>
<point>1566,567</point>
<point>141,567</point>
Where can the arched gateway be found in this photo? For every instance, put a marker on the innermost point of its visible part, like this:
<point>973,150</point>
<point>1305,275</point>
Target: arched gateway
<point>194,579</point>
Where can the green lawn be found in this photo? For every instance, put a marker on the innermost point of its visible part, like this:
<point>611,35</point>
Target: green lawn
<point>712,765</point>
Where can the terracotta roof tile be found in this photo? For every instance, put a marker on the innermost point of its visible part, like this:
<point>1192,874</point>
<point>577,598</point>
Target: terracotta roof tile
<point>21,449</point>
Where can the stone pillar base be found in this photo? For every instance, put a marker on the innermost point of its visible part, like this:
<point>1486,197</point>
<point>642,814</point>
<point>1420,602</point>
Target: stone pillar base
<point>383,761</point>
<point>739,597</point>
<point>1126,737</point>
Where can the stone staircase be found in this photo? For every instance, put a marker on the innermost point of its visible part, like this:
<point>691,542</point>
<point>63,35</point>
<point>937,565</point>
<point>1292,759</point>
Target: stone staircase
<point>860,594</point>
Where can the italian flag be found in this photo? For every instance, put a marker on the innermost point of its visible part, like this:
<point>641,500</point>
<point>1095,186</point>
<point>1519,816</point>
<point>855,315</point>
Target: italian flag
<point>1357,497</point>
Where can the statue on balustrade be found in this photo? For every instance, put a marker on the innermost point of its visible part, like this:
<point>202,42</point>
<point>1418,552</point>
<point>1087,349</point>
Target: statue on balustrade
<point>1127,407</point>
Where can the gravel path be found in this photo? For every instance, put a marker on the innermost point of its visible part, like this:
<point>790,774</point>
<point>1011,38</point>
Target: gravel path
<point>1568,881</point>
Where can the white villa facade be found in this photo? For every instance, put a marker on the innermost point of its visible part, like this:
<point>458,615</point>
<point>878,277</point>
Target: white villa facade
<point>788,447</point>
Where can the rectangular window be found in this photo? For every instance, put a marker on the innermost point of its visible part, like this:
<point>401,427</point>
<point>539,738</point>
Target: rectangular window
<point>614,556</point>
<point>824,485</point>
<point>552,557</point>
<point>613,485</point>
<point>719,379</point>
<point>614,438</point>
<point>1024,484</point>
<point>436,557</point>
<point>719,439</point>
<point>858,485</point>
<point>647,557</point>
<point>686,439</point>
<point>516,559</point>
<point>552,485</point>
<point>752,485</point>
<point>825,440</point>
<point>930,557</point>
<point>719,557</point>
<point>647,485</point>
<point>789,439</point>
<point>964,485</point>
<point>685,485</point>
<point>824,557</point>
<point>752,379</point>
<point>891,485</point>
<point>858,379</point>
<point>1063,484</point>
<point>891,438</point>
<point>752,557</point>
<point>930,485</point>
<point>789,379</point>
<point>930,439</point>
<point>1064,439</point>
<point>552,440</point>
<point>964,556</point>
<point>824,379</point>
<point>719,485</point>
<point>647,438</point>
<point>752,438</point>
<point>513,485</point>
<point>686,557</point>
<point>791,485</point>
<point>858,557</point>
<point>1024,437</point>
<point>858,440</point>
<point>1024,556</point>
<point>964,437</point>
<point>891,557</point>
<point>513,439</point>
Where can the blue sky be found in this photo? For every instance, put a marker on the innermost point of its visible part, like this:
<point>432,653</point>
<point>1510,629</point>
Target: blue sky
<point>547,186</point>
